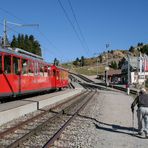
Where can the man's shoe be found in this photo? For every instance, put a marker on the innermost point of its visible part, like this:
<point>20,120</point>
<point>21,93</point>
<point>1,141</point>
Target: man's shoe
<point>146,134</point>
<point>140,133</point>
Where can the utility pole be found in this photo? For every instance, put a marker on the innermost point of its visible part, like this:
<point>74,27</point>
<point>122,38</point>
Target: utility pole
<point>16,24</point>
<point>5,32</point>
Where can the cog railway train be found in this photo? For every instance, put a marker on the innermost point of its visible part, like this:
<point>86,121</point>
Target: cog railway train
<point>22,72</point>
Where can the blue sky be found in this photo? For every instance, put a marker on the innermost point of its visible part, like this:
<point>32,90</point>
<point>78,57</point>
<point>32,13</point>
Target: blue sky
<point>121,23</point>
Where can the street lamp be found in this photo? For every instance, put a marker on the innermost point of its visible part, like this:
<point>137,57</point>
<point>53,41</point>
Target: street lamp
<point>128,80</point>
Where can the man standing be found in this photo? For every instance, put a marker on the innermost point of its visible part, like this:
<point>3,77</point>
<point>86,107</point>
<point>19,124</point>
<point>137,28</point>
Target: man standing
<point>142,112</point>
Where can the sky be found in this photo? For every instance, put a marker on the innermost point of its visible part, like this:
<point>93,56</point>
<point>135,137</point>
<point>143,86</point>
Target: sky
<point>119,23</point>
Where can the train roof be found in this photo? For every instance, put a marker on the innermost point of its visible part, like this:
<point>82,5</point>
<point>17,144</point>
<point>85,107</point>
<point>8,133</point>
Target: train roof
<point>23,53</point>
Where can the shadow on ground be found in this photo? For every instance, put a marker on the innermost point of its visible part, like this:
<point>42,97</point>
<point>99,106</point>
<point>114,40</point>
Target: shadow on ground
<point>111,127</point>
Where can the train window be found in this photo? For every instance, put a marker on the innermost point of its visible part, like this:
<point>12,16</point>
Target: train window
<point>57,75</point>
<point>41,70</point>
<point>7,64</point>
<point>45,71</point>
<point>30,68</point>
<point>16,62</point>
<point>54,72</point>
<point>49,70</point>
<point>24,67</point>
<point>36,68</point>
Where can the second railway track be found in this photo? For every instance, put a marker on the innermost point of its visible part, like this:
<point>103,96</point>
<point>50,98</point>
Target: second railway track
<point>35,132</point>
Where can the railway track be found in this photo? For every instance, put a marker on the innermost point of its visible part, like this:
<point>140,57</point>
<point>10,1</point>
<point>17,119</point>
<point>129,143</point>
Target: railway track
<point>45,129</point>
<point>48,120</point>
<point>90,83</point>
<point>73,114</point>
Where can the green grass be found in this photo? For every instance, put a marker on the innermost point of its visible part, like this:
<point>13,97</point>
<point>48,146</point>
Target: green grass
<point>88,70</point>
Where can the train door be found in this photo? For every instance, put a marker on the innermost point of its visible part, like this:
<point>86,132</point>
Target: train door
<point>8,78</point>
<point>59,78</point>
<point>52,74</point>
<point>16,71</point>
<point>24,75</point>
<point>9,75</point>
<point>54,78</point>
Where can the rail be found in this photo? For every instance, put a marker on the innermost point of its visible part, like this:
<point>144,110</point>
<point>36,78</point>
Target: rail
<point>59,132</point>
<point>20,141</point>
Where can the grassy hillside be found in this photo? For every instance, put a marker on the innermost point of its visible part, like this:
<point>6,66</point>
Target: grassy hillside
<point>89,66</point>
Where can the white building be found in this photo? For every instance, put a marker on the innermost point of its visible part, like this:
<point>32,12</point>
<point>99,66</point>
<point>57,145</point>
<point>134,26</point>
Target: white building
<point>138,69</point>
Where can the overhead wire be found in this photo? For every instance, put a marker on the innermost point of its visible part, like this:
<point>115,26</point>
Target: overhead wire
<point>79,28</point>
<point>40,32</point>
<point>72,25</point>
<point>10,28</point>
<point>10,13</point>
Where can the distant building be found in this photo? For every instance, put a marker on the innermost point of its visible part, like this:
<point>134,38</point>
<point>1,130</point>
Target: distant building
<point>138,69</point>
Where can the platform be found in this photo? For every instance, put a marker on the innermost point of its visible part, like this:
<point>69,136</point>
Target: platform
<point>15,109</point>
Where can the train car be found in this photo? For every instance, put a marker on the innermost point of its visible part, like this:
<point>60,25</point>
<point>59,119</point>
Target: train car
<point>61,77</point>
<point>22,72</point>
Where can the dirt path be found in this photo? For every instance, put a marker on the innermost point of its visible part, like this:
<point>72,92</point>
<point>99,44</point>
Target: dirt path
<point>115,127</point>
<point>107,123</point>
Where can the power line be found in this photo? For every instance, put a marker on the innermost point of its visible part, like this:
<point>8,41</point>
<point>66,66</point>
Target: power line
<point>40,32</point>
<point>47,39</point>
<point>70,22</point>
<point>10,28</point>
<point>10,13</point>
<point>80,31</point>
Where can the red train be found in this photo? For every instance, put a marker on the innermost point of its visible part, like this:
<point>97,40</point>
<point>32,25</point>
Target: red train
<point>22,72</point>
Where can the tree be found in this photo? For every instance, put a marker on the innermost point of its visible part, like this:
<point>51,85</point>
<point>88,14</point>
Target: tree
<point>14,42</point>
<point>1,41</point>
<point>144,49</point>
<point>56,62</point>
<point>140,44</point>
<point>27,43</point>
<point>111,51</point>
<point>76,62</point>
<point>100,57</point>
<point>22,41</point>
<point>82,61</point>
<point>121,62</point>
<point>114,65</point>
<point>19,41</point>
<point>131,49</point>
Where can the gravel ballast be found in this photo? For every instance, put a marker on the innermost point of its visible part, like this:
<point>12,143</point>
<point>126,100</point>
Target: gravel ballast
<point>106,122</point>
